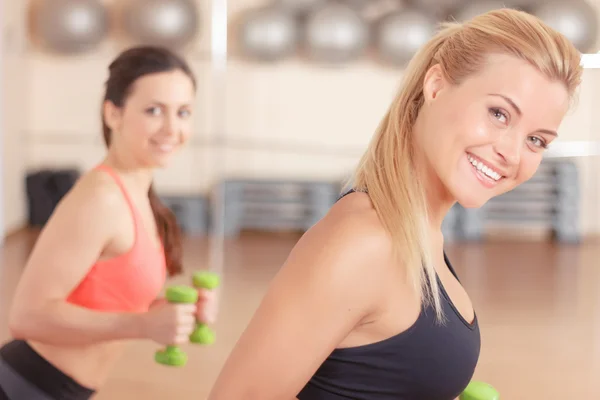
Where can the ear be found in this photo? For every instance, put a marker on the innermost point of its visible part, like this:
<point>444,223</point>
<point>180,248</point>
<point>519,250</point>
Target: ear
<point>112,115</point>
<point>434,83</point>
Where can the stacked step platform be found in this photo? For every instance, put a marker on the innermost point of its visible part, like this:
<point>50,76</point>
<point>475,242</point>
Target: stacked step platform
<point>272,205</point>
<point>551,199</point>
<point>192,213</point>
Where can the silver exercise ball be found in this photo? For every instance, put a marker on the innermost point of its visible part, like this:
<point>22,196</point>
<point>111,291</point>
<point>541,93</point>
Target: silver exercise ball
<point>268,33</point>
<point>70,26</point>
<point>438,8</point>
<point>576,19</point>
<point>336,33</point>
<point>299,6</point>
<point>476,8</point>
<point>169,23</point>
<point>402,33</point>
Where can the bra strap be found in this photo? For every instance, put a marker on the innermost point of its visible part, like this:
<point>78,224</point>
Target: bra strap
<point>119,183</point>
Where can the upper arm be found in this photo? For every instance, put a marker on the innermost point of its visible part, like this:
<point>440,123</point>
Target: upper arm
<point>69,244</point>
<point>325,288</point>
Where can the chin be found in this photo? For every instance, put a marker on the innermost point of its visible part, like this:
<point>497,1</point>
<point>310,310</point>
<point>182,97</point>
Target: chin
<point>161,156</point>
<point>471,201</point>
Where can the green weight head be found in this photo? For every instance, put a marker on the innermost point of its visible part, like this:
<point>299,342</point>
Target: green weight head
<point>172,356</point>
<point>479,391</point>
<point>203,335</point>
<point>206,280</point>
<point>182,294</point>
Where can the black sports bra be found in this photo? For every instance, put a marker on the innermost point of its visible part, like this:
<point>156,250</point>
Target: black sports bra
<point>428,361</point>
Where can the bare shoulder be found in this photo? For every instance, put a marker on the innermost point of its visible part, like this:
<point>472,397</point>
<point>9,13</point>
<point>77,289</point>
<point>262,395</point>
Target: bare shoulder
<point>80,227</point>
<point>353,224</point>
<point>95,193</point>
<point>95,187</point>
<point>349,249</point>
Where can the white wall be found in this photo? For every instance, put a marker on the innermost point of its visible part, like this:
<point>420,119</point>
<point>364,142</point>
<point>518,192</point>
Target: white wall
<point>15,92</point>
<point>54,103</point>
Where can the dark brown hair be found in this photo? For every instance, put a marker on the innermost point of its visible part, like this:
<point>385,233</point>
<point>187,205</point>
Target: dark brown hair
<point>129,66</point>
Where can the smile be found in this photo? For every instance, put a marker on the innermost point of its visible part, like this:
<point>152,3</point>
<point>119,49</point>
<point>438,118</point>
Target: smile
<point>484,170</point>
<point>164,147</point>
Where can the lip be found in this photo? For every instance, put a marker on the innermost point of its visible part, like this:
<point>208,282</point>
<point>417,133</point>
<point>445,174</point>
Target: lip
<point>481,177</point>
<point>164,147</point>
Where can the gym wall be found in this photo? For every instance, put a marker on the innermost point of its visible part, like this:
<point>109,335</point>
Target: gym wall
<point>286,120</point>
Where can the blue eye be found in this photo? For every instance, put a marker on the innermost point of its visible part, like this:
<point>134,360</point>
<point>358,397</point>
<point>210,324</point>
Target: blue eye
<point>184,113</point>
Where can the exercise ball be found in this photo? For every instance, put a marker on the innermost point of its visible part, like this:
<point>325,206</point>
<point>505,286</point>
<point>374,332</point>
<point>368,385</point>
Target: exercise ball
<point>268,33</point>
<point>336,33</point>
<point>526,5</point>
<point>70,26</point>
<point>360,4</point>
<point>299,6</point>
<point>402,33</point>
<point>476,8</point>
<point>576,19</point>
<point>439,8</point>
<point>169,23</point>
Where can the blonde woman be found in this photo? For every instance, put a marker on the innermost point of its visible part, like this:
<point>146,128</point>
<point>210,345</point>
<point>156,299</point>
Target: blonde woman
<point>368,306</point>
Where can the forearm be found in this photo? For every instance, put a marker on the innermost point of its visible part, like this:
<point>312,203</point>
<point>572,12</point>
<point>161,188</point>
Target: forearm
<point>62,323</point>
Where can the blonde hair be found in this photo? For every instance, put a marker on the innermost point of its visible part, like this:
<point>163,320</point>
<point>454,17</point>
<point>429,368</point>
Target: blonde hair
<point>387,171</point>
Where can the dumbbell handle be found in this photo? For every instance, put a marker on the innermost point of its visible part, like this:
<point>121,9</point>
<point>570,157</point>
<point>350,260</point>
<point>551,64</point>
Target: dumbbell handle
<point>203,334</point>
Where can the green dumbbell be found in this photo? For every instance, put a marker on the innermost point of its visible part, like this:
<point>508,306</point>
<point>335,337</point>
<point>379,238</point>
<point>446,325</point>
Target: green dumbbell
<point>479,391</point>
<point>173,355</point>
<point>204,280</point>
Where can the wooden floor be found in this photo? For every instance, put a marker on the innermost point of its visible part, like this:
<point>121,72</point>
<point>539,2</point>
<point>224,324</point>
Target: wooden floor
<point>538,304</point>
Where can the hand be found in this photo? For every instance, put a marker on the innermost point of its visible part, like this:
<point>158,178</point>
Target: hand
<point>207,306</point>
<point>169,324</point>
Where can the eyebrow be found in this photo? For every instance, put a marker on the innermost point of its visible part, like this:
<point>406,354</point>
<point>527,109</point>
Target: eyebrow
<point>161,104</point>
<point>518,110</point>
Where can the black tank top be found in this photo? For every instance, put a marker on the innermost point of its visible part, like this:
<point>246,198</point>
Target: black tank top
<point>428,361</point>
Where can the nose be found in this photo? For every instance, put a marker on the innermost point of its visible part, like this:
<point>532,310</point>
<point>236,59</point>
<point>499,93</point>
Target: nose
<point>509,146</point>
<point>172,126</point>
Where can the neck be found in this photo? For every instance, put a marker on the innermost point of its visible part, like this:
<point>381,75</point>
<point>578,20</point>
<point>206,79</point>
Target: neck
<point>439,200</point>
<point>140,176</point>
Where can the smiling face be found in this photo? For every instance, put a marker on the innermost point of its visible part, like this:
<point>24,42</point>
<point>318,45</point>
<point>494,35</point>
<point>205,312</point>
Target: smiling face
<point>487,135</point>
<point>155,119</point>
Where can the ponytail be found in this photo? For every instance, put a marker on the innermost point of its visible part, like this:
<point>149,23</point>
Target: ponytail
<point>169,232</point>
<point>387,172</point>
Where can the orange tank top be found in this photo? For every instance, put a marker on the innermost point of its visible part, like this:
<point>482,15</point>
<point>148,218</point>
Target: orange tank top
<point>129,282</point>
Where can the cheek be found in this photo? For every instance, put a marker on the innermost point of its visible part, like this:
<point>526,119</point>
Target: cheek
<point>463,126</point>
<point>186,131</point>
<point>142,126</point>
<point>477,127</point>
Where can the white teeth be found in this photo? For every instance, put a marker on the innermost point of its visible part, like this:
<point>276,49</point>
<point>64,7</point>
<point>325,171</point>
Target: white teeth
<point>484,169</point>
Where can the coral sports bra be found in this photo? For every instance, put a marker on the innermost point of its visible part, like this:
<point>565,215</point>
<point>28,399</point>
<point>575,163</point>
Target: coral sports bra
<point>129,282</point>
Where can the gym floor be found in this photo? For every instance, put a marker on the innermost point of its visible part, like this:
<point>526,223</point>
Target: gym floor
<point>538,304</point>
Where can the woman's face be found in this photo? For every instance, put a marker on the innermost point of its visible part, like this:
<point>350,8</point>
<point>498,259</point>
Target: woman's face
<point>156,118</point>
<point>487,135</point>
